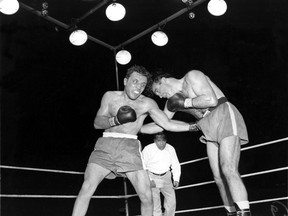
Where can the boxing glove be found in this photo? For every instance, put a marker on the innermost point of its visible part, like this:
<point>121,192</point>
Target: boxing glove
<point>124,115</point>
<point>177,102</point>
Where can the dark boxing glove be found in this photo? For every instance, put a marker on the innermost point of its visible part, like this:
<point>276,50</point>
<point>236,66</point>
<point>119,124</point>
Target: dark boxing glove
<point>124,115</point>
<point>176,102</point>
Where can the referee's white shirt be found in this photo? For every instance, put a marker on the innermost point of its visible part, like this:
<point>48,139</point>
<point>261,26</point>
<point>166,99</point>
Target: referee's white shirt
<point>159,161</point>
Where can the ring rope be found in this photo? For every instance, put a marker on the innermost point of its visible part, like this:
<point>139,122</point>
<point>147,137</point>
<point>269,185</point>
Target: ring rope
<point>264,144</point>
<point>132,195</point>
<point>243,149</point>
<point>243,176</point>
<point>216,207</point>
<point>183,163</point>
<point>42,170</point>
<point>119,197</point>
<point>63,196</point>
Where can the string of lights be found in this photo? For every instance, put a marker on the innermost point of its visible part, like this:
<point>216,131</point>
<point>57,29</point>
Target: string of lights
<point>116,12</point>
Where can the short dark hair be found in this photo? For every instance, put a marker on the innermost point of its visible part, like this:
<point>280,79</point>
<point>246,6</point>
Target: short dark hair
<point>160,134</point>
<point>158,77</point>
<point>139,69</point>
<point>143,71</point>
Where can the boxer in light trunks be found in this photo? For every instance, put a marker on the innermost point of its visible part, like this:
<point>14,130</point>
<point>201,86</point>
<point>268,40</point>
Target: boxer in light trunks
<point>223,128</point>
<point>121,115</point>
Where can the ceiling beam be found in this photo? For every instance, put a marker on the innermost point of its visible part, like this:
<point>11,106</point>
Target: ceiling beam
<point>98,6</point>
<point>190,6</point>
<point>39,13</point>
<point>163,22</point>
<point>63,25</point>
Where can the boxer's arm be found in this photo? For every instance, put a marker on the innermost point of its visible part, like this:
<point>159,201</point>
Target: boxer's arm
<point>101,120</point>
<point>161,121</point>
<point>205,95</point>
<point>152,127</point>
<point>168,113</point>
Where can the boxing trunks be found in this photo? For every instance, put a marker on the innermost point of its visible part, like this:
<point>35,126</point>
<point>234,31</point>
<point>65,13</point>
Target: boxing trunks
<point>223,121</point>
<point>117,152</point>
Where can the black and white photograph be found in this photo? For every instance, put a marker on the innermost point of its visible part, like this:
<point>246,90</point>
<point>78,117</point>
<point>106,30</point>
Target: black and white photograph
<point>144,107</point>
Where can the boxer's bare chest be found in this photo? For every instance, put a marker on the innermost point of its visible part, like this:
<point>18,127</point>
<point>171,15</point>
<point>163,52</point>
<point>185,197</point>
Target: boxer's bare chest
<point>116,103</point>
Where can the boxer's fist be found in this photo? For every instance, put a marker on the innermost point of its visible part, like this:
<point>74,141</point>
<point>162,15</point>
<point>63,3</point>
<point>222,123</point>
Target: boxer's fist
<point>176,102</point>
<point>175,184</point>
<point>124,115</point>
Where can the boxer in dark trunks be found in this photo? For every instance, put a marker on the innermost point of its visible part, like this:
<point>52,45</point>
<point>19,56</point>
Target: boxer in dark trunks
<point>224,130</point>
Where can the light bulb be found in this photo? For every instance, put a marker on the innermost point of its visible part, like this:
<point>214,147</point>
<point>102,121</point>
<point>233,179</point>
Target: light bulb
<point>159,38</point>
<point>217,7</point>
<point>78,37</point>
<point>9,7</point>
<point>123,57</point>
<point>115,12</point>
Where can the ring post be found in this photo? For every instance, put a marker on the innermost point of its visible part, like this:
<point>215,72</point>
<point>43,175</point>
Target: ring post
<point>126,199</point>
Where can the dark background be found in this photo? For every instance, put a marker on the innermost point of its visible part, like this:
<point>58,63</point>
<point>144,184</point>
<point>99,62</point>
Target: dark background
<point>51,91</point>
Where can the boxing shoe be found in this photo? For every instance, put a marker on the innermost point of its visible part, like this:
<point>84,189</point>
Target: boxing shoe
<point>231,213</point>
<point>243,212</point>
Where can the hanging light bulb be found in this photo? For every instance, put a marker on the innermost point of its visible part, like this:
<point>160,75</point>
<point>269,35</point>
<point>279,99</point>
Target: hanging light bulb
<point>159,38</point>
<point>9,7</point>
<point>115,12</point>
<point>78,37</point>
<point>123,57</point>
<point>217,7</point>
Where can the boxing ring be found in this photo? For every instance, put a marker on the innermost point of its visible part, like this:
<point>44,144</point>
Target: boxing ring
<point>276,203</point>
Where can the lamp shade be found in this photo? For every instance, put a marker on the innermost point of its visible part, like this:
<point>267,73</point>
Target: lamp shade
<point>159,38</point>
<point>115,12</point>
<point>123,57</point>
<point>78,37</point>
<point>9,7</point>
<point>217,7</point>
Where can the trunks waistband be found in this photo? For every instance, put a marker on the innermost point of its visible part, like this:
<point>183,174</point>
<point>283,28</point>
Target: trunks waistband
<point>119,135</point>
<point>161,174</point>
<point>220,101</point>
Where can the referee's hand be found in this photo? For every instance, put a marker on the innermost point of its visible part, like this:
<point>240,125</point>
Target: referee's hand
<point>175,184</point>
